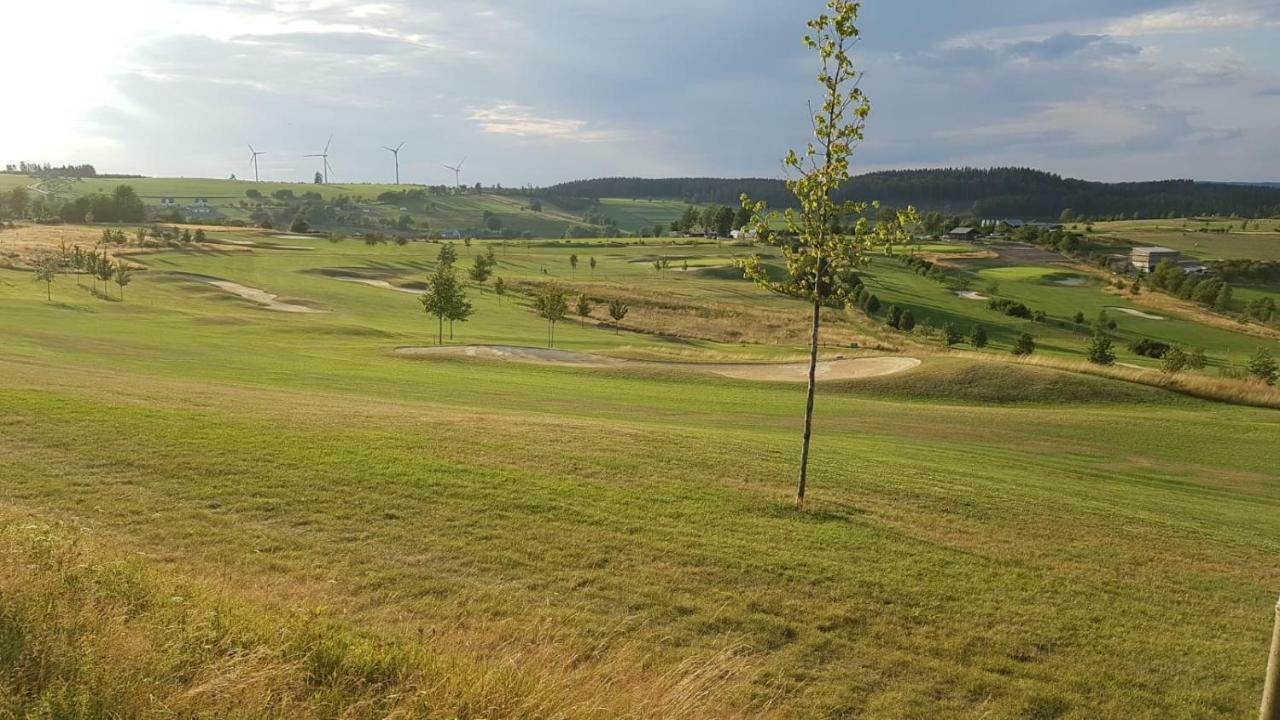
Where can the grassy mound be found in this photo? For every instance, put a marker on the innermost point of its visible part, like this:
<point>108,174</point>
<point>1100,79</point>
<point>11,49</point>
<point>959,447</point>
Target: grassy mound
<point>966,380</point>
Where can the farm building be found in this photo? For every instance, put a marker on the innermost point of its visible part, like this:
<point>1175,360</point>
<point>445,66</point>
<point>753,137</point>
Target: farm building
<point>1145,259</point>
<point>963,233</point>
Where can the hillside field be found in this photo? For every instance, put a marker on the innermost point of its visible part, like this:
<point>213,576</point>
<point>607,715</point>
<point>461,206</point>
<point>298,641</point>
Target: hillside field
<point>242,511</point>
<point>1223,239</point>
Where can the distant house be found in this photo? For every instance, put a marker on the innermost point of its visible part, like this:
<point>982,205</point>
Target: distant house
<point>1145,259</point>
<point>202,202</point>
<point>963,233</point>
<point>450,234</point>
<point>168,202</point>
<point>1012,223</point>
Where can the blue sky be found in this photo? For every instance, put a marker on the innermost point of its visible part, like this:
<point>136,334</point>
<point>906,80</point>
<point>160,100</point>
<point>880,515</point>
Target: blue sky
<point>538,91</point>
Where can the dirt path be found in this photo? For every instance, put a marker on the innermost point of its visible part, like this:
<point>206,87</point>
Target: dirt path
<point>839,369</point>
<point>1135,313</point>
<point>256,295</point>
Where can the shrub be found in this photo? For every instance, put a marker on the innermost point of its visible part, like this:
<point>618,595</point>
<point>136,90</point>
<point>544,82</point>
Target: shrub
<point>978,336</point>
<point>1100,350</point>
<point>1262,366</point>
<point>1010,308</point>
<point>950,336</point>
<point>1150,348</point>
<point>907,322</point>
<point>1175,361</point>
<point>1025,345</point>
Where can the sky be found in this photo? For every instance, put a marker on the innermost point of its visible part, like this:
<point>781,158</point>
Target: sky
<point>542,91</point>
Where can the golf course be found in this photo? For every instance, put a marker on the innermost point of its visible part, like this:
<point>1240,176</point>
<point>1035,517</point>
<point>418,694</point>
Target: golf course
<point>251,483</point>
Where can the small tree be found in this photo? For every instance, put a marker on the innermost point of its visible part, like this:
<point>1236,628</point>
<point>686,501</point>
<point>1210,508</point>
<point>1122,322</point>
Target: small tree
<point>978,336</point>
<point>550,304</point>
<point>443,298</point>
<point>583,307</point>
<point>1197,360</point>
<point>46,271</point>
<point>907,322</point>
<point>1174,361</point>
<point>591,262</point>
<point>480,269</point>
<point>499,288</point>
<point>1079,318</point>
<point>893,317</point>
<point>105,270</point>
<point>950,335</point>
<point>872,305</point>
<point>1262,366</point>
<point>448,255</point>
<point>122,277</point>
<point>1100,350</point>
<point>1024,345</point>
<point>617,310</point>
<point>573,265</point>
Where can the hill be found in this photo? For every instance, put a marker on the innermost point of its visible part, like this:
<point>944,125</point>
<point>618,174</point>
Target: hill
<point>995,192</point>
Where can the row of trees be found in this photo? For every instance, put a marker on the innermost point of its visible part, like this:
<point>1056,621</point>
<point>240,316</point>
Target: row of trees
<point>715,220</point>
<point>98,266</point>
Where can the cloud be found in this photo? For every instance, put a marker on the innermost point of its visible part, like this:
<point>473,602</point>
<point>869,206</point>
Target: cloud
<point>520,121</point>
<point>1065,45</point>
<point>1217,16</point>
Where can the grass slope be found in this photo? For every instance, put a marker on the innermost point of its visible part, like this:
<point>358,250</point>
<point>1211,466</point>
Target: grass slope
<point>358,534</point>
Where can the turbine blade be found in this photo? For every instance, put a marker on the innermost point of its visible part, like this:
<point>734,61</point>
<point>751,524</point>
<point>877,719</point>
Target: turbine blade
<point>326,143</point>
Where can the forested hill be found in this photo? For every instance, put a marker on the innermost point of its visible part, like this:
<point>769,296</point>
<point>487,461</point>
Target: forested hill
<point>997,192</point>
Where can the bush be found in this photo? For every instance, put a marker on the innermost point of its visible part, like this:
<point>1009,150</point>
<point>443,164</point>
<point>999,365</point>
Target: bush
<point>950,336</point>
<point>1262,366</point>
<point>978,336</point>
<point>1175,361</point>
<point>907,322</point>
<point>1100,350</point>
<point>1150,348</point>
<point>1025,345</point>
<point>1010,308</point>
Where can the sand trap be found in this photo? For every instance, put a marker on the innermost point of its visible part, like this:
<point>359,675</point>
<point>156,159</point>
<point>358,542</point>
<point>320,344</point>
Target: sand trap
<point>1135,313</point>
<point>971,295</point>
<point>371,282</point>
<point>262,297</point>
<point>840,369</point>
<point>1070,282</point>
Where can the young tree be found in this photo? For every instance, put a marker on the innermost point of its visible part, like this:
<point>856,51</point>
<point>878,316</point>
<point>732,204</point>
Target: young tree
<point>1262,366</point>
<point>480,269</point>
<point>1174,361</point>
<point>591,262</point>
<point>1197,360</point>
<point>617,310</point>
<point>448,255</point>
<point>1025,345</point>
<point>499,288</point>
<point>907,322</point>
<point>573,265</point>
<point>122,277</point>
<point>1222,302</point>
<point>105,271</point>
<point>443,298</point>
<point>1079,318</point>
<point>46,271</point>
<point>950,335</point>
<point>550,304</point>
<point>818,257</point>
<point>583,307</point>
<point>77,262</point>
<point>1100,350</point>
<point>978,336</point>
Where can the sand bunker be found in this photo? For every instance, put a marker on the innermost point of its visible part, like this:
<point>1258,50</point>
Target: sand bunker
<point>971,295</point>
<point>372,282</point>
<point>840,369</point>
<point>1135,313</point>
<point>261,297</point>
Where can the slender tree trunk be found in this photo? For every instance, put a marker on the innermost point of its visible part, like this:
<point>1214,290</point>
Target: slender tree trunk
<point>440,330</point>
<point>48,292</point>
<point>451,329</point>
<point>808,406</point>
<point>1271,692</point>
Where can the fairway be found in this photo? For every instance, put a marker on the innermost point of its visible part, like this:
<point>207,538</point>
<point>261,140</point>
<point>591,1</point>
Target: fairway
<point>605,531</point>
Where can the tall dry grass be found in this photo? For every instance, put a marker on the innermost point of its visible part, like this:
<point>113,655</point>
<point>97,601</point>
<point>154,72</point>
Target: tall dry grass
<point>1208,387</point>
<point>85,634</point>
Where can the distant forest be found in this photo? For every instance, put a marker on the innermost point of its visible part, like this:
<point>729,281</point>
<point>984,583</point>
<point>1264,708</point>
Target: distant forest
<point>985,193</point>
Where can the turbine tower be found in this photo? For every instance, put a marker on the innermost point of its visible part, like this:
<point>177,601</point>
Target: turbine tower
<point>457,172</point>
<point>395,151</point>
<point>325,156</point>
<point>253,160</point>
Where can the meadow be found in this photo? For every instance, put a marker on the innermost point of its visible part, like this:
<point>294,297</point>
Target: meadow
<point>213,509</point>
<point>1222,239</point>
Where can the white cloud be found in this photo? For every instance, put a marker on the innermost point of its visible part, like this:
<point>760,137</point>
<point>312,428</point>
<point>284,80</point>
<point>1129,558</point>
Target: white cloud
<point>520,121</point>
<point>1200,17</point>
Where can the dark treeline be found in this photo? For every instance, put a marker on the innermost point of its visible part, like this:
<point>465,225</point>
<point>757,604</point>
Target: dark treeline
<point>990,193</point>
<point>47,170</point>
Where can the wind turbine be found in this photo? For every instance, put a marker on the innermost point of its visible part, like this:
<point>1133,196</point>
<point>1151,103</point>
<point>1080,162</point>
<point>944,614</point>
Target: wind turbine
<point>457,172</point>
<point>253,159</point>
<point>324,155</point>
<point>395,151</point>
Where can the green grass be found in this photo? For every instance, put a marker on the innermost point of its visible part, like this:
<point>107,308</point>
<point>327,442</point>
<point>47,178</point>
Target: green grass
<point>1261,241</point>
<point>506,540</point>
